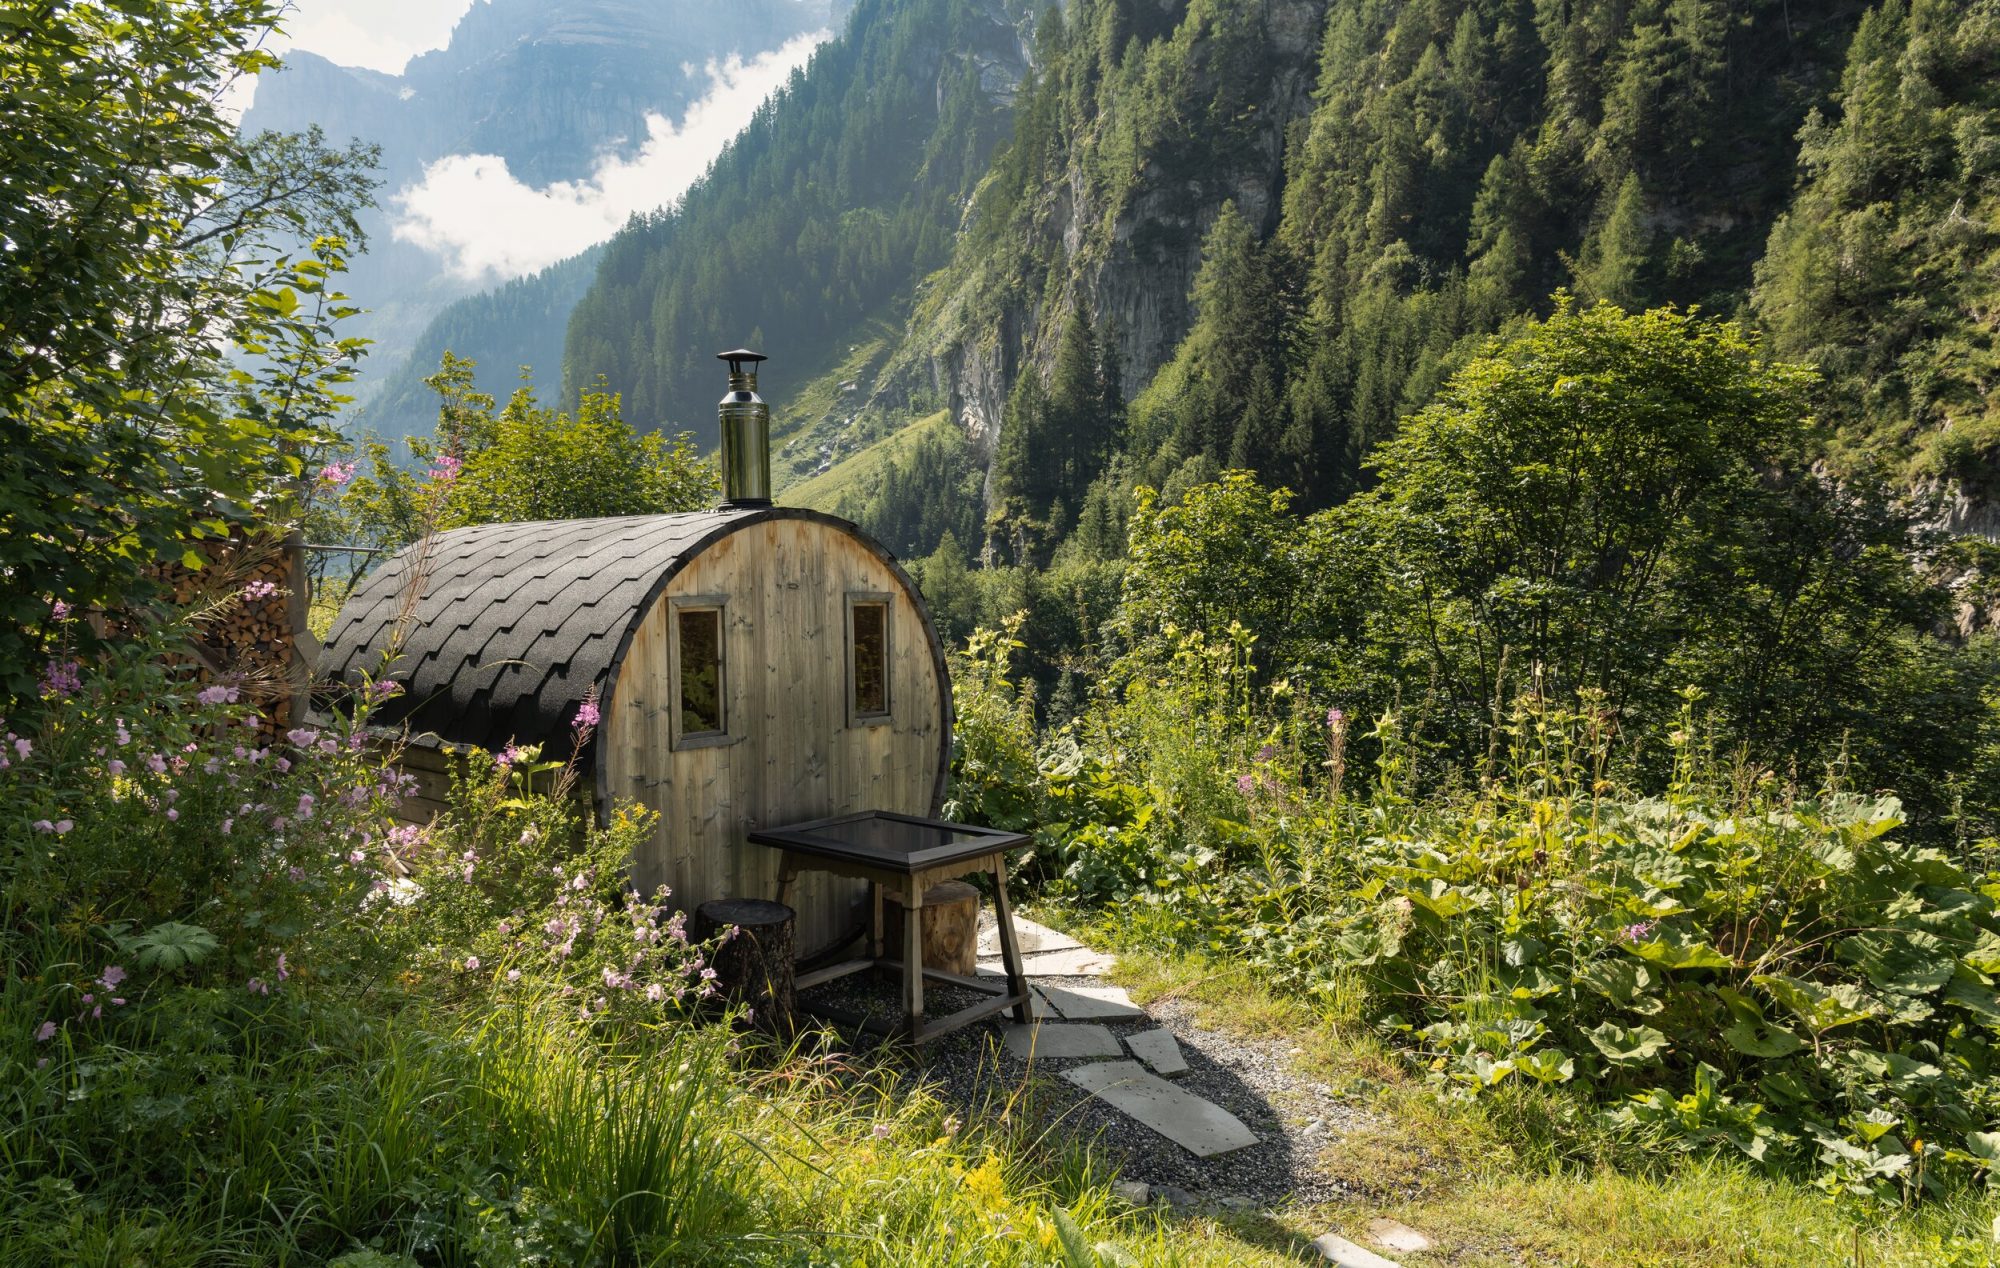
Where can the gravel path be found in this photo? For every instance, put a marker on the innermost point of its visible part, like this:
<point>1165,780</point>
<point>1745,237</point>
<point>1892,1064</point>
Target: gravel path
<point>1295,1120</point>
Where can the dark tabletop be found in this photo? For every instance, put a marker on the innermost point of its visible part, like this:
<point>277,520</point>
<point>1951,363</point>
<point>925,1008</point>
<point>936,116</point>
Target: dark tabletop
<point>897,842</point>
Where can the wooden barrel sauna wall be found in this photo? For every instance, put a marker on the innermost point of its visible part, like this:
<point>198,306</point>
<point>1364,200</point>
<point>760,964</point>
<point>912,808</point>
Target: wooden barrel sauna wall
<point>754,667</point>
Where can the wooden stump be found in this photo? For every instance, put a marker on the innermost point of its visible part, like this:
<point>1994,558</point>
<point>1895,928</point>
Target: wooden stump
<point>950,929</point>
<point>753,967</point>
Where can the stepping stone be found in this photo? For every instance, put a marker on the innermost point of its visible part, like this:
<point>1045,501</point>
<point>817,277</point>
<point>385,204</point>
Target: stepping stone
<point>1056,1041</point>
<point>1030,936</point>
<point>1198,1126</point>
<point>1392,1235</point>
<point>1338,1250</point>
<point>1070,962</point>
<point>1160,1050</point>
<point>1091,1003</point>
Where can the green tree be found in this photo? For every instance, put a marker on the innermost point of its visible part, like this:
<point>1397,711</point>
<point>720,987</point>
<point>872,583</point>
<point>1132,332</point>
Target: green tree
<point>167,361</point>
<point>527,462</point>
<point>1625,504</point>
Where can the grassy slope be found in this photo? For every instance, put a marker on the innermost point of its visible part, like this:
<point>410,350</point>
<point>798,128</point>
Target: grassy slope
<point>818,416</point>
<point>857,475</point>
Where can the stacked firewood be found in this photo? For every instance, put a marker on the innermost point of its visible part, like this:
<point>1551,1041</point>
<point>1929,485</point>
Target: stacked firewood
<point>247,605</point>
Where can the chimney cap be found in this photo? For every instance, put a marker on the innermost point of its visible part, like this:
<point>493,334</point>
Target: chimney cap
<point>740,355</point>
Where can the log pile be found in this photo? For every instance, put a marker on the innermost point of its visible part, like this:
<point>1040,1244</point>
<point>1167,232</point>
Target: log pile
<point>248,601</point>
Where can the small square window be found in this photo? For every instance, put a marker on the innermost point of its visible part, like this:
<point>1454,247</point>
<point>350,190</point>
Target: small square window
<point>868,651</point>
<point>699,670</point>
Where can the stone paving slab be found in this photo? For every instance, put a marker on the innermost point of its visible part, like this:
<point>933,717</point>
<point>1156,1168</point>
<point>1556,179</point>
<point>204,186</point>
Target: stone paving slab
<point>1072,962</point>
<point>1391,1235</point>
<point>1346,1254</point>
<point>1091,1003</point>
<point>1032,937</point>
<point>1057,1041</point>
<point>1201,1127</point>
<point>1158,1049</point>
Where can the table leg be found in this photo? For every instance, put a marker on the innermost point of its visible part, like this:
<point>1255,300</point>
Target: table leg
<point>788,871</point>
<point>875,922</point>
<point>1010,948</point>
<point>913,961</point>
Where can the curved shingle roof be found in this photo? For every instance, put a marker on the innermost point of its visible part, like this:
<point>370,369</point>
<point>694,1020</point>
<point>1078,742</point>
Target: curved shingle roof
<point>516,622</point>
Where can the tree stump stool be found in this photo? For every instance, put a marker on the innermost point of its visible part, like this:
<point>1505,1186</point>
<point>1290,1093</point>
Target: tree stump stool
<point>950,928</point>
<point>754,967</point>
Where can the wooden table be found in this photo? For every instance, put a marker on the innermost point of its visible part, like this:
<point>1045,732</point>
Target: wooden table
<point>903,856</point>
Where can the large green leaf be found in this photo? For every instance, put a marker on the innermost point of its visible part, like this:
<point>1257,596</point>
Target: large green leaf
<point>1761,1039</point>
<point>1672,950</point>
<point>1638,1045</point>
<point>1821,1008</point>
<point>1626,983</point>
<point>1901,962</point>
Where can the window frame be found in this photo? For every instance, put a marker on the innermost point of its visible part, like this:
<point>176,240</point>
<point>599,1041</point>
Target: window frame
<point>718,604</point>
<point>887,602</point>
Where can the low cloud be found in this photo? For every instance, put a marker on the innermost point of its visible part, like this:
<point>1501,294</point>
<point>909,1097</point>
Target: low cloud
<point>490,226</point>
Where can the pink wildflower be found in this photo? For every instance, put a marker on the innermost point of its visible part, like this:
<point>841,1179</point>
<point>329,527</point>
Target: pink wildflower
<point>217,694</point>
<point>587,716</point>
<point>471,963</point>
<point>116,767</point>
<point>112,976</point>
<point>44,825</point>
<point>59,610</point>
<point>284,969</point>
<point>336,473</point>
<point>46,1033</point>
<point>1246,784</point>
<point>1633,933</point>
<point>258,590</point>
<point>62,678</point>
<point>513,975</point>
<point>881,1131</point>
<point>22,748</point>
<point>258,986</point>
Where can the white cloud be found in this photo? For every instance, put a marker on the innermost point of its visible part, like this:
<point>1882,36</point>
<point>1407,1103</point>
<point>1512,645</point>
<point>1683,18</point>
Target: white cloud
<point>379,34</point>
<point>490,226</point>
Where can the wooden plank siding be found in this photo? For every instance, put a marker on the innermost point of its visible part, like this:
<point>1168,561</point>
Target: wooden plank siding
<point>792,753</point>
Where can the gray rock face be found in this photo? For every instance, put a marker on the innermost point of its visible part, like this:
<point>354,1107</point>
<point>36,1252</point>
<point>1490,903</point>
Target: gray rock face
<point>1135,262</point>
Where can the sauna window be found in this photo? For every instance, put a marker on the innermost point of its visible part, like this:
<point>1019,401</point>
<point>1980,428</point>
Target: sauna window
<point>698,673</point>
<point>868,658</point>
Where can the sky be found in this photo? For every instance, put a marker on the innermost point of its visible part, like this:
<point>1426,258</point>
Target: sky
<point>379,34</point>
<point>489,226</point>
<point>470,210</point>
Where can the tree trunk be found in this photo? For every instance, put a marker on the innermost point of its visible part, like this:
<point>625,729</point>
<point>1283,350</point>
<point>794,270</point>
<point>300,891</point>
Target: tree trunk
<point>753,967</point>
<point>950,928</point>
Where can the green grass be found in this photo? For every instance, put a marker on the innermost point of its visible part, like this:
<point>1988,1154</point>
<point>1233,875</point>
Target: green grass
<point>819,404</point>
<point>856,476</point>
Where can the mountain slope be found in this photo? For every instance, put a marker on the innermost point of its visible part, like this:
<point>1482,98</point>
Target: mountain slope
<point>843,192</point>
<point>1271,227</point>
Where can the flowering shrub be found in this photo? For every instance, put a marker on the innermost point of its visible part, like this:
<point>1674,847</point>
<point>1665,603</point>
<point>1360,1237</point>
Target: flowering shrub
<point>151,838</point>
<point>514,888</point>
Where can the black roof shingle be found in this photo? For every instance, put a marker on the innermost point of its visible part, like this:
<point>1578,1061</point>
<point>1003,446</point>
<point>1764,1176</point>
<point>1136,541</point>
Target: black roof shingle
<point>516,622</point>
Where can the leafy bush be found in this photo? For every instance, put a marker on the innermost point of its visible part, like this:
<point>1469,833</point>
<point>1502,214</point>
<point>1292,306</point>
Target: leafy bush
<point>1730,964</point>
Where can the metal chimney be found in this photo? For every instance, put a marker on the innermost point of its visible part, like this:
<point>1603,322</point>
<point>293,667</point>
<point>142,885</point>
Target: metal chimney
<point>746,433</point>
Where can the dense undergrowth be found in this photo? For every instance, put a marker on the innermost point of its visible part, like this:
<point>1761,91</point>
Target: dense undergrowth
<point>1729,962</point>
